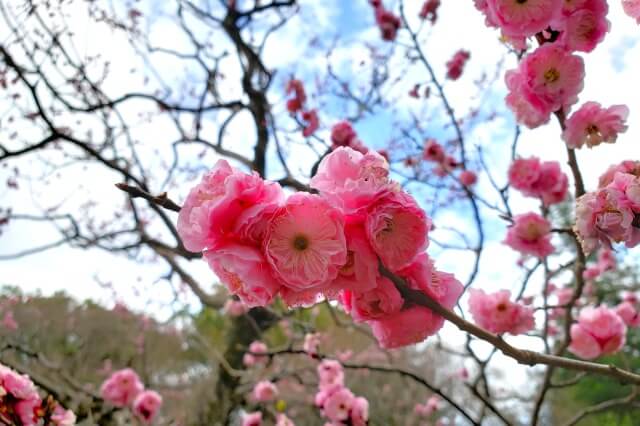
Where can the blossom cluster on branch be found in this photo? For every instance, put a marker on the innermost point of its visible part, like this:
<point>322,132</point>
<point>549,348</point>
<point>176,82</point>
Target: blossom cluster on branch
<point>22,405</point>
<point>306,247</point>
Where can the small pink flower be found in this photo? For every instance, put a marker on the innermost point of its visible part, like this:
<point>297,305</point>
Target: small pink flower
<point>342,134</point>
<point>305,242</point>
<point>9,322</point>
<point>629,185</point>
<point>330,373</point>
<point>455,65</point>
<point>585,28</point>
<point>468,178</point>
<point>283,420</point>
<point>312,122</point>
<point>414,324</point>
<point>599,331</point>
<point>338,405</point>
<point>234,308</point>
<point>193,220</point>
<point>433,151</point>
<point>629,314</point>
<point>376,303</point>
<point>528,108</point>
<point>544,180</point>
<point>245,272</point>
<point>553,75</point>
<point>265,391</point>
<point>18,385</point>
<point>592,125</point>
<point>632,8</point>
<point>498,314</point>
<point>359,415</point>
<point>397,229</point>
<point>529,234</point>
<point>602,217</point>
<point>388,23</point>
<point>252,419</point>
<point>628,166</point>
<point>429,10</point>
<point>252,358</point>
<point>147,405</point>
<point>519,18</point>
<point>350,179</point>
<point>311,343</point>
<point>296,88</point>
<point>62,417</point>
<point>121,388</point>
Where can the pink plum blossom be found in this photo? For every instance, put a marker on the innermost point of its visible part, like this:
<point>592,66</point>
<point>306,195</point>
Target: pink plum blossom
<point>414,324</point>
<point>296,88</point>
<point>350,179</point>
<point>599,331</point>
<point>342,134</point>
<point>252,358</point>
<point>121,388</point>
<point>429,10</point>
<point>498,314</point>
<point>376,303</point>
<point>628,312</point>
<point>338,405</point>
<point>359,415</point>
<point>632,8</point>
<point>530,235</point>
<point>62,417</point>
<point>283,420</point>
<point>433,151</point>
<point>519,18</point>
<point>388,23</point>
<point>544,180</point>
<point>311,343</point>
<point>193,220</point>
<point>456,64</point>
<point>305,243</point>
<point>468,178</point>
<point>245,272</point>
<point>265,391</point>
<point>147,405</point>
<point>252,419</point>
<point>397,229</point>
<point>312,122</point>
<point>330,373</point>
<point>602,217</point>
<point>592,125</point>
<point>627,166</point>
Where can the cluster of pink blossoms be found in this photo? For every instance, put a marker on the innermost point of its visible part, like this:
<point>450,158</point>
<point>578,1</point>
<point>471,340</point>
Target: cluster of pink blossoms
<point>430,407</point>
<point>455,65</point>
<point>343,134</point>
<point>632,8</point>
<point>540,179</point>
<point>498,314</point>
<point>435,153</point>
<point>296,104</point>
<point>629,310</point>
<point>530,235</point>
<point>429,10</point>
<point>21,405</point>
<point>307,246</point>
<point>592,125</point>
<point>606,262</point>
<point>124,389</point>
<point>336,402</point>
<point>253,357</point>
<point>550,78</point>
<point>388,23</point>
<point>612,212</point>
<point>599,331</point>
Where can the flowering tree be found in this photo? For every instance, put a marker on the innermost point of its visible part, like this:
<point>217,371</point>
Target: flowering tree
<point>271,172</point>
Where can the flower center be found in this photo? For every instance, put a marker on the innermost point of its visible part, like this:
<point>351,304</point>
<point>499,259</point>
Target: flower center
<point>501,307</point>
<point>551,75</point>
<point>592,129</point>
<point>388,225</point>
<point>300,242</point>
<point>521,1</point>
